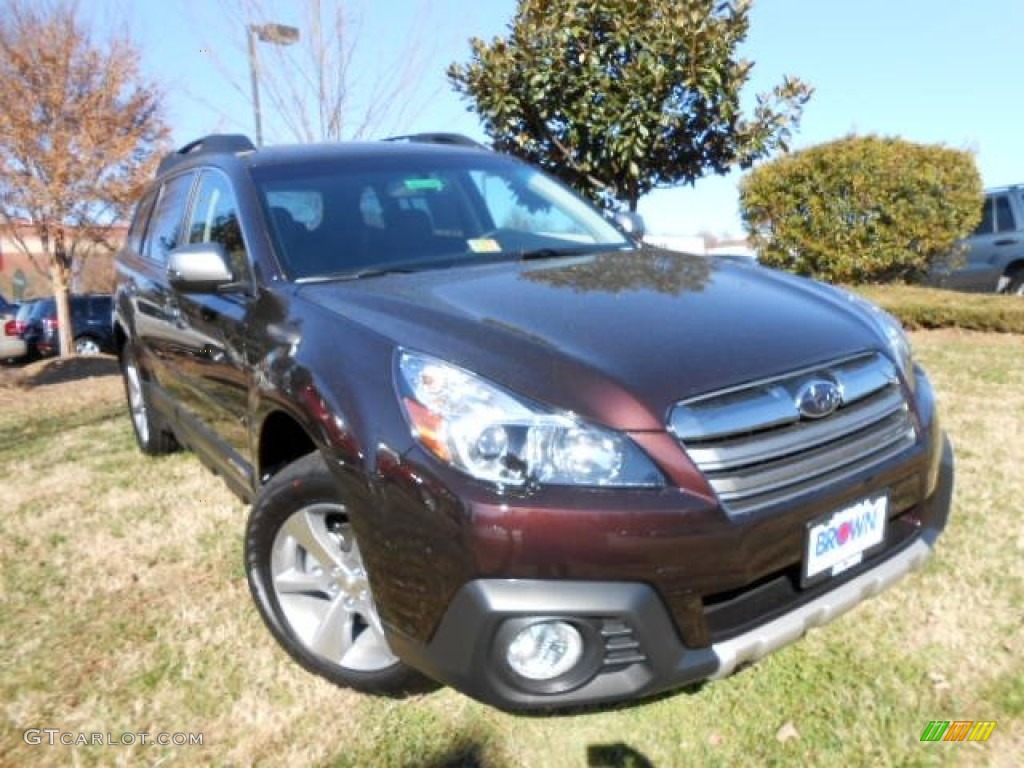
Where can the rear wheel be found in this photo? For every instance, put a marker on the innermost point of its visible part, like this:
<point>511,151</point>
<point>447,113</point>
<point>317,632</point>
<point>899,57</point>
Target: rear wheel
<point>87,346</point>
<point>150,434</point>
<point>307,577</point>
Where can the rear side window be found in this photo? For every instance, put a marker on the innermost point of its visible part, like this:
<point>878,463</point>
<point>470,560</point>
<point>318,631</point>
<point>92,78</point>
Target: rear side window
<point>1004,215</point>
<point>138,227</point>
<point>997,216</point>
<point>215,220</point>
<point>164,233</point>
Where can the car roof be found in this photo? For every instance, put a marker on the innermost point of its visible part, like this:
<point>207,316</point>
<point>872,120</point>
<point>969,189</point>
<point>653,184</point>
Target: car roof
<point>1006,188</point>
<point>211,148</point>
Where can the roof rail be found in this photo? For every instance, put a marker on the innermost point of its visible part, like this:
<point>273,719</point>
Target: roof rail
<point>1004,188</point>
<point>456,139</point>
<point>215,142</point>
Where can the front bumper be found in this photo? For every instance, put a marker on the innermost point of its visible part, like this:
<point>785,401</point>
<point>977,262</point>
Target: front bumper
<point>639,651</point>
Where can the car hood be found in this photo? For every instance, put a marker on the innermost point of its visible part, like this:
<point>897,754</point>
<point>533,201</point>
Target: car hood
<point>616,337</point>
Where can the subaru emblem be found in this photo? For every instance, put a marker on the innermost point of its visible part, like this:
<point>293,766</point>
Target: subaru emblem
<point>818,398</point>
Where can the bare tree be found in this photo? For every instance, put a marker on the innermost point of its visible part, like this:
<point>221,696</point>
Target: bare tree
<point>331,84</point>
<point>80,131</point>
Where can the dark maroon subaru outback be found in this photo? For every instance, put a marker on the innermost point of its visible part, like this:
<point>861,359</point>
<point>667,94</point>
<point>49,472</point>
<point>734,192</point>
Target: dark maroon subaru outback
<point>489,439</point>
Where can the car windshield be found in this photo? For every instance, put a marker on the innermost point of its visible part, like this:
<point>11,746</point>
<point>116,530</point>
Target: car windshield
<point>362,216</point>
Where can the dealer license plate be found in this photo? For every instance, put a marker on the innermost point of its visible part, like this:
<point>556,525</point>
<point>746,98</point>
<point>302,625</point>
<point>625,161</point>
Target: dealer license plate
<point>841,540</point>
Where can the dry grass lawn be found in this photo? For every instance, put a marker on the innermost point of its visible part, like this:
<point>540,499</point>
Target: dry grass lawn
<point>124,609</point>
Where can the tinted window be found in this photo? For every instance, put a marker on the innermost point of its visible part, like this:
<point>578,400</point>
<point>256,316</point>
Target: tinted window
<point>988,219</point>
<point>1004,216</point>
<point>138,228</point>
<point>164,232</point>
<point>215,220</point>
<point>42,308</point>
<point>100,306</point>
<point>342,216</point>
<point>25,311</point>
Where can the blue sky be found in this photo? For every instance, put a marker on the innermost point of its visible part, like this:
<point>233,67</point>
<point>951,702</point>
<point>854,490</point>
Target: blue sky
<point>924,70</point>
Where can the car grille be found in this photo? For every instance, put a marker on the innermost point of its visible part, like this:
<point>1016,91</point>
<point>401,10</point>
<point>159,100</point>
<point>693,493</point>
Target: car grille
<point>757,450</point>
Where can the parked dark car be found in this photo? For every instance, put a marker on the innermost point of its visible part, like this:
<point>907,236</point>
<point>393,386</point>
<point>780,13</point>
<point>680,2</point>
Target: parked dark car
<point>993,256</point>
<point>489,438</point>
<point>91,317</point>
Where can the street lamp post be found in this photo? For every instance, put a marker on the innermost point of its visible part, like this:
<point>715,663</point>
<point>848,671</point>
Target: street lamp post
<point>277,34</point>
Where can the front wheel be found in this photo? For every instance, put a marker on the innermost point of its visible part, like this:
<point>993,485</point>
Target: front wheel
<point>307,577</point>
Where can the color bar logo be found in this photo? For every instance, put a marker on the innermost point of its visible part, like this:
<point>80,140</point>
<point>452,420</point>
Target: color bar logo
<point>958,730</point>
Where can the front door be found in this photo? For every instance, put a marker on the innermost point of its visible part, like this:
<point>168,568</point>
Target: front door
<point>211,356</point>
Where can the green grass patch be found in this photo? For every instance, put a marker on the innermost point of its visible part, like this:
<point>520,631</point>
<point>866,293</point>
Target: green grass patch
<point>929,308</point>
<point>124,608</point>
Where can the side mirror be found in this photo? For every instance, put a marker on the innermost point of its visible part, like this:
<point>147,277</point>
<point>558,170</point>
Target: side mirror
<point>199,268</point>
<point>632,223</point>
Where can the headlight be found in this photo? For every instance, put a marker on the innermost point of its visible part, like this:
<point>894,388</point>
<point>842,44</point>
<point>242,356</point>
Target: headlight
<point>891,331</point>
<point>898,342</point>
<point>487,433</point>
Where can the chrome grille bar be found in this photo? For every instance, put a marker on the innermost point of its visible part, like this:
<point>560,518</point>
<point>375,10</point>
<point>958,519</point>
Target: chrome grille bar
<point>766,446</point>
<point>756,449</point>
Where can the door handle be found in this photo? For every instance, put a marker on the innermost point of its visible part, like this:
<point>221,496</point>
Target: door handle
<point>1005,241</point>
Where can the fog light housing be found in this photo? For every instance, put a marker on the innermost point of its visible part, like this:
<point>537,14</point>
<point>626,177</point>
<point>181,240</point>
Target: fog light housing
<point>545,650</point>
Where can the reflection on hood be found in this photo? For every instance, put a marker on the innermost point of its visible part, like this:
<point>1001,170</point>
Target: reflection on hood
<point>645,270</point>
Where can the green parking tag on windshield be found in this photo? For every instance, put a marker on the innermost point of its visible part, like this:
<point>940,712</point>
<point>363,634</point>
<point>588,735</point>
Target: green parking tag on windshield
<point>422,184</point>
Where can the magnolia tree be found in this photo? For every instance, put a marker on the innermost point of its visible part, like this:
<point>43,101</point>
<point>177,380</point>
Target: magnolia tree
<point>618,97</point>
<point>80,130</point>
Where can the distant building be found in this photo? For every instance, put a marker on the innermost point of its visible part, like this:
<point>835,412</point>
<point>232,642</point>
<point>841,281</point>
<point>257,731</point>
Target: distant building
<point>682,243</point>
<point>20,278</point>
<point>698,244</point>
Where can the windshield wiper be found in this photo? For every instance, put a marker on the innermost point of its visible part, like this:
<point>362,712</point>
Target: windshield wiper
<point>578,250</point>
<point>359,274</point>
<point>553,253</point>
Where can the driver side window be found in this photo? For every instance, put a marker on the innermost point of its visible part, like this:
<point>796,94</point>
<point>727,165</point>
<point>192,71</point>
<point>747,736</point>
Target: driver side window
<point>215,220</point>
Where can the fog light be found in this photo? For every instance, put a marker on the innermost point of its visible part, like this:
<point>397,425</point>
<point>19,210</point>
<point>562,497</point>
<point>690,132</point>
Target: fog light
<point>545,650</point>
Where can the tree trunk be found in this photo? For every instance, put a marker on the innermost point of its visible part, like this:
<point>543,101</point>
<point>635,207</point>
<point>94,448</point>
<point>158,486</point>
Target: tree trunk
<point>60,273</point>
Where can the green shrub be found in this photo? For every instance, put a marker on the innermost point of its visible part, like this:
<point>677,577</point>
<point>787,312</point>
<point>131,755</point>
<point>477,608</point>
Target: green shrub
<point>861,209</point>
<point>918,307</point>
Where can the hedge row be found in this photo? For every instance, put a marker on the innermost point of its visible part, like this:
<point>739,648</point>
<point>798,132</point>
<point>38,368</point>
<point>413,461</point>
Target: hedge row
<point>918,307</point>
<point>862,209</point>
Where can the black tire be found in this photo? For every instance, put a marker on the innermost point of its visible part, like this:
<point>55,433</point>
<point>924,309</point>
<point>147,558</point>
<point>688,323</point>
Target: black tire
<point>1016,285</point>
<point>318,611</point>
<point>153,438</point>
